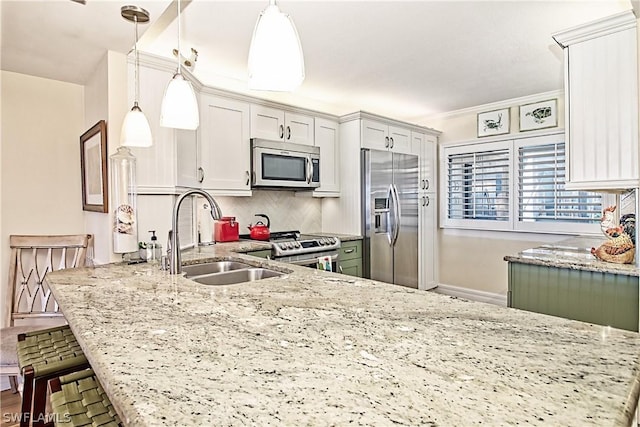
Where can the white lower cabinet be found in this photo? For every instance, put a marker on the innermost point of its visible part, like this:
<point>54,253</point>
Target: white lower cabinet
<point>427,241</point>
<point>327,137</point>
<point>224,155</point>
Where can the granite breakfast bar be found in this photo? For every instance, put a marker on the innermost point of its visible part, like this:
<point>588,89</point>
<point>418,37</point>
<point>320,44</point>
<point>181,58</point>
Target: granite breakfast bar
<point>319,348</point>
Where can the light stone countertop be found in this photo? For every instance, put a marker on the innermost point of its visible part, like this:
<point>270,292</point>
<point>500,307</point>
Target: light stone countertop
<point>573,253</point>
<point>319,348</point>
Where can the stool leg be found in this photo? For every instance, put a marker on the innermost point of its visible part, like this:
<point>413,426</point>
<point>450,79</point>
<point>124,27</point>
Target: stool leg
<point>13,382</point>
<point>39,402</point>
<point>27,395</point>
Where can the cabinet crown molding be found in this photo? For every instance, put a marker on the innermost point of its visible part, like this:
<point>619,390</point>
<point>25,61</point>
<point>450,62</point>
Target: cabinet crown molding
<point>371,116</point>
<point>601,27</point>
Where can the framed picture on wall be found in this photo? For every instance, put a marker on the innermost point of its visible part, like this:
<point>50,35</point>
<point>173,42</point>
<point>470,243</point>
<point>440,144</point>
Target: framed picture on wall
<point>493,122</point>
<point>93,168</point>
<point>539,115</point>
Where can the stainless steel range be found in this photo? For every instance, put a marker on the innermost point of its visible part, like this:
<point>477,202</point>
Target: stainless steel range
<point>303,249</point>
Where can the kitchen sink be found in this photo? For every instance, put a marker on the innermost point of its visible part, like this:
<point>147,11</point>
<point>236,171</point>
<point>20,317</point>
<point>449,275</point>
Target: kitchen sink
<point>212,267</point>
<point>235,276</point>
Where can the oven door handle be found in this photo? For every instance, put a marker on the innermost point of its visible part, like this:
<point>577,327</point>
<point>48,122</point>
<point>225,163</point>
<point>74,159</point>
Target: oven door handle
<point>306,261</point>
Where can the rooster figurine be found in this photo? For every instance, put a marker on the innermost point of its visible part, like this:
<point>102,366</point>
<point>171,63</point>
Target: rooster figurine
<point>620,248</point>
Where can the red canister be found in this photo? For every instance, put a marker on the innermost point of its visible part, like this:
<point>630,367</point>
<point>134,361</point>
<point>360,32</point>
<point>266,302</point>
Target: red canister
<point>226,229</point>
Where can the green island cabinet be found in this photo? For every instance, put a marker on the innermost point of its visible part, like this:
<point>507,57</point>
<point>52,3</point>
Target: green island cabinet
<point>350,258</point>
<point>594,297</point>
<point>265,253</point>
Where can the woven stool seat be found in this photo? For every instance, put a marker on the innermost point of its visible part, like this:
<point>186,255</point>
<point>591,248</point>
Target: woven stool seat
<point>78,399</point>
<point>50,350</point>
<point>43,355</point>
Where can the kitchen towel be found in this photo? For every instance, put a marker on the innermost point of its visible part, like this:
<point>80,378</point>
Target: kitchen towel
<point>324,263</point>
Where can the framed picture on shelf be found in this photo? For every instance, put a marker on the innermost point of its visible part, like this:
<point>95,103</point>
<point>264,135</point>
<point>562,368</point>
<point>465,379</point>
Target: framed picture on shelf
<point>93,168</point>
<point>493,123</point>
<point>539,115</point>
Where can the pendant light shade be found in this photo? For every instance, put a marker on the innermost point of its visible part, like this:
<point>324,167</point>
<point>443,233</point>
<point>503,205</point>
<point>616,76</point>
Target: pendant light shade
<point>275,57</point>
<point>179,105</point>
<point>136,131</point>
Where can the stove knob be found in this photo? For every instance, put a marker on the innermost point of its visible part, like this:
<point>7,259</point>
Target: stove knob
<point>297,244</point>
<point>332,240</point>
<point>323,241</point>
<point>287,245</point>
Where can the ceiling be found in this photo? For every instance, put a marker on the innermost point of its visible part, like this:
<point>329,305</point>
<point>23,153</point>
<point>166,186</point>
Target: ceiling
<point>403,59</point>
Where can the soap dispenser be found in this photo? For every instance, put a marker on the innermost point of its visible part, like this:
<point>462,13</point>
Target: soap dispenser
<point>154,249</point>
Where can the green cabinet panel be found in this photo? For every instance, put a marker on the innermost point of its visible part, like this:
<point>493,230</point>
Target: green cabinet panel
<point>266,253</point>
<point>350,258</point>
<point>594,297</point>
<point>352,267</point>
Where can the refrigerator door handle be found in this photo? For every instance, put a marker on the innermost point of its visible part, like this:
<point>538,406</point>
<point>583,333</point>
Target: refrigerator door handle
<point>397,214</point>
<point>391,223</point>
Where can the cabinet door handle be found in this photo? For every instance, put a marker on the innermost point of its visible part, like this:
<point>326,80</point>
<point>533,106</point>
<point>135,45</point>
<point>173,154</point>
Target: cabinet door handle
<point>386,142</point>
<point>427,184</point>
<point>248,177</point>
<point>391,139</point>
<point>426,201</point>
<point>422,183</point>
<point>288,132</point>
<point>348,251</point>
<point>340,268</point>
<point>200,175</point>
<point>281,131</point>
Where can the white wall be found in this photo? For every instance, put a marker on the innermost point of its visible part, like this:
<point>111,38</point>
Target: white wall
<point>106,99</point>
<point>473,259</point>
<point>42,121</point>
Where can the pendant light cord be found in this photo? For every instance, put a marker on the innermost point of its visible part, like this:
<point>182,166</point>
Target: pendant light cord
<point>179,37</point>
<point>135,67</point>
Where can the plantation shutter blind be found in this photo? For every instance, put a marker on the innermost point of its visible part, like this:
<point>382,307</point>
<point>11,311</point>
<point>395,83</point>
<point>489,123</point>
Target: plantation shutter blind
<point>478,185</point>
<point>541,191</point>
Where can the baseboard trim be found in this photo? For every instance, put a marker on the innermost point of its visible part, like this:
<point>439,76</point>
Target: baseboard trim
<point>472,294</point>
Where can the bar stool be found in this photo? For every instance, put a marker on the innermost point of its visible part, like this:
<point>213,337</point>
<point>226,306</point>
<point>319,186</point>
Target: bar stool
<point>43,355</point>
<point>28,350</point>
<point>78,399</point>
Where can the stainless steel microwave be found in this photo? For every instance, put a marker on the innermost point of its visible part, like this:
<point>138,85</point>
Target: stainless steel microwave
<point>277,164</point>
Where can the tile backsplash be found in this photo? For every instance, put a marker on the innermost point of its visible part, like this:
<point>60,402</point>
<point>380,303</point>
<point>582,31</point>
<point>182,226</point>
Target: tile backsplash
<point>285,210</point>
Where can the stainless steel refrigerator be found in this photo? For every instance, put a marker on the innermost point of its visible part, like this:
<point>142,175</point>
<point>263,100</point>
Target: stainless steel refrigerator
<point>390,216</point>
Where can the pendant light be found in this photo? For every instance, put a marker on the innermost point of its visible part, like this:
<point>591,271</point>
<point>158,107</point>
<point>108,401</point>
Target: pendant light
<point>275,57</point>
<point>179,105</point>
<point>136,131</point>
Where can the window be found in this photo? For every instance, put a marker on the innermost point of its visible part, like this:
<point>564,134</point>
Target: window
<point>515,185</point>
<point>478,184</point>
<point>542,197</point>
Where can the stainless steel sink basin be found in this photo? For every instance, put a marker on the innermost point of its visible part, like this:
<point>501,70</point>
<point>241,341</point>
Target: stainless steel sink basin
<point>212,267</point>
<point>235,276</point>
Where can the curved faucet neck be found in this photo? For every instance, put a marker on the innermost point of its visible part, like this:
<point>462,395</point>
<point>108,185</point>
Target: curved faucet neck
<point>175,262</point>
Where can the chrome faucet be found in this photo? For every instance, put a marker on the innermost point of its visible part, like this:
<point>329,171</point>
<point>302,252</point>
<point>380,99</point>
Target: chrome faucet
<point>173,249</point>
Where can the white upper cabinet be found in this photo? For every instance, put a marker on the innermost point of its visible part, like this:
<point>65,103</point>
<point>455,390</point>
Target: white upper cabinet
<point>224,146</point>
<point>380,136</point>
<point>278,125</point>
<point>424,146</point>
<point>601,97</point>
<point>189,172</point>
<point>155,165</point>
<point>327,137</point>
